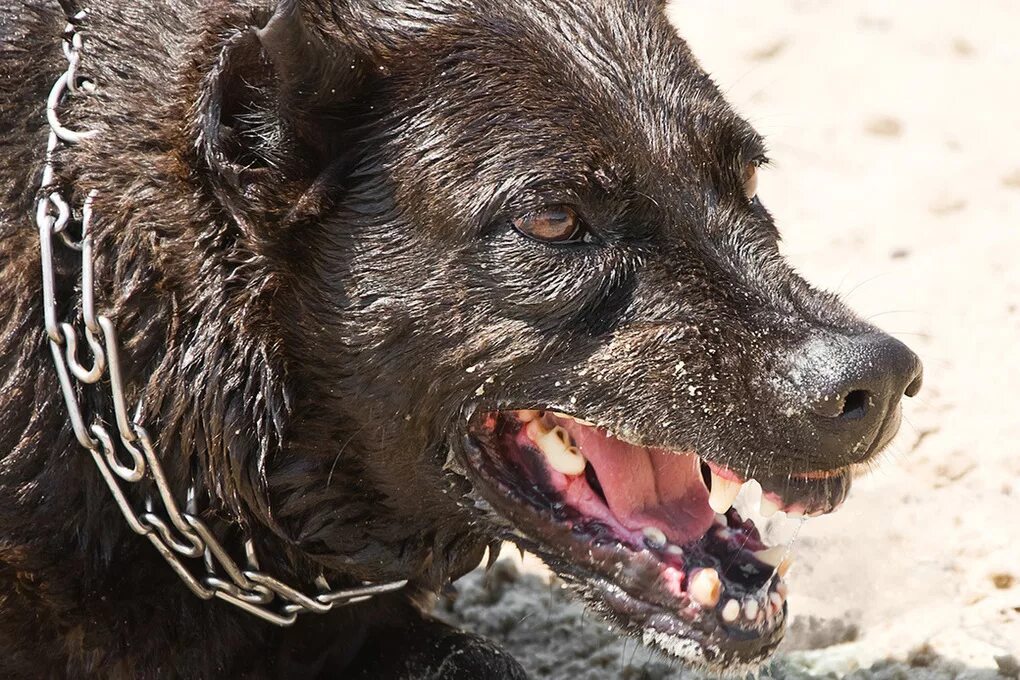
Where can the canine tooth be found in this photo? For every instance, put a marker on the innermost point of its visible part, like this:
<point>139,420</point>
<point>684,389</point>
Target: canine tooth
<point>772,556</point>
<point>731,612</point>
<point>527,415</point>
<point>559,452</point>
<point>706,587</point>
<point>776,600</point>
<point>675,550</point>
<point>655,536</point>
<point>724,492</point>
<point>768,506</point>
<point>751,610</point>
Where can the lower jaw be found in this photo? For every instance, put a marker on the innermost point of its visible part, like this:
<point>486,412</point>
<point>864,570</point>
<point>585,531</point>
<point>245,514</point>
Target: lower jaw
<point>633,589</point>
<point>647,587</point>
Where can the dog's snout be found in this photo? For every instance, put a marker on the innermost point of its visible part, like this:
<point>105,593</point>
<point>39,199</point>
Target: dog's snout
<point>848,391</point>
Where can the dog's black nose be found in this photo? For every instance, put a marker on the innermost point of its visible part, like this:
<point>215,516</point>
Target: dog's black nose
<point>848,390</point>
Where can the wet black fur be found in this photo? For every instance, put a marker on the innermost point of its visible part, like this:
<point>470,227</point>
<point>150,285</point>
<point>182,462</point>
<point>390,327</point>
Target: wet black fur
<point>306,245</point>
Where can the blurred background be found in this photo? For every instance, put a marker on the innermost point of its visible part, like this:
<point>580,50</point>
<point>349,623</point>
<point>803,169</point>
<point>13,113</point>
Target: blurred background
<point>894,132</point>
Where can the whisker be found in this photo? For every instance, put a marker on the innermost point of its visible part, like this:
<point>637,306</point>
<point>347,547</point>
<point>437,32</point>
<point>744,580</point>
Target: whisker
<point>923,336</point>
<point>864,283</point>
<point>892,311</point>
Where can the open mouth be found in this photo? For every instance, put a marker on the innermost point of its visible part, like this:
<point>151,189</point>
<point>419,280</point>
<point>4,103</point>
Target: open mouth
<point>647,535</point>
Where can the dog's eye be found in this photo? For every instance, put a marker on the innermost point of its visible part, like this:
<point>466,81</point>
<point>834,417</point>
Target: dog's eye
<point>559,224</point>
<point>750,179</point>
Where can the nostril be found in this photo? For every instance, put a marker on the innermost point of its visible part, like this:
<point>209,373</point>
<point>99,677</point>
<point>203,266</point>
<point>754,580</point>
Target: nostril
<point>855,405</point>
<point>853,382</point>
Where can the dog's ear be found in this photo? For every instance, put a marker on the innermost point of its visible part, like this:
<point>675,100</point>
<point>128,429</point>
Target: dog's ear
<point>272,115</point>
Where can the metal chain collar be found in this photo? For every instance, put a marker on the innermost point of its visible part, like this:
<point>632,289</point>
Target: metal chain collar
<point>176,534</point>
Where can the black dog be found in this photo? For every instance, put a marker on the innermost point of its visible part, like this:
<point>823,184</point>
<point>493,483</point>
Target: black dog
<point>394,281</point>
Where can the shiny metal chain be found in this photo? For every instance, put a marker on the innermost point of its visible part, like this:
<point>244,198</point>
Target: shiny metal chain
<point>180,536</point>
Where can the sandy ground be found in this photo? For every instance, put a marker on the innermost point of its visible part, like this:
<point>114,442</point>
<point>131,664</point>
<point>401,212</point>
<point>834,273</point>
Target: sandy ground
<point>896,181</point>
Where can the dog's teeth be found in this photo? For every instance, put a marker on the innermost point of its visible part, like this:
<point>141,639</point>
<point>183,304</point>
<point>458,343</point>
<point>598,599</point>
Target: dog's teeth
<point>558,449</point>
<point>706,587</point>
<point>567,461</point>
<point>772,556</point>
<point>731,611</point>
<point>654,536</point>
<point>776,600</point>
<point>721,520</point>
<point>526,416</point>
<point>768,506</point>
<point>782,589</point>
<point>751,609</point>
<point>675,550</point>
<point>724,492</point>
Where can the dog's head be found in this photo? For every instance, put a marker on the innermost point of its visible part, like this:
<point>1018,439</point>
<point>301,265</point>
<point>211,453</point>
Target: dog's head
<point>531,293</point>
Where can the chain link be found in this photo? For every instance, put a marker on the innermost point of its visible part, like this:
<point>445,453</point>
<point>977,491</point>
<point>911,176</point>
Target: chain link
<point>181,537</point>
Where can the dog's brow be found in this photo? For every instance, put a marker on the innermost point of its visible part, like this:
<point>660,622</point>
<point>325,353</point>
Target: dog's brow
<point>739,142</point>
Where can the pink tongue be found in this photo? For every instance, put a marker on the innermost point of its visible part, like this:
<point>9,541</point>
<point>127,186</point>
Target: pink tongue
<point>647,487</point>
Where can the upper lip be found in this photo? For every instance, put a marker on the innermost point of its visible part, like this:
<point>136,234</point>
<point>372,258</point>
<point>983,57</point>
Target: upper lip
<point>808,493</point>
